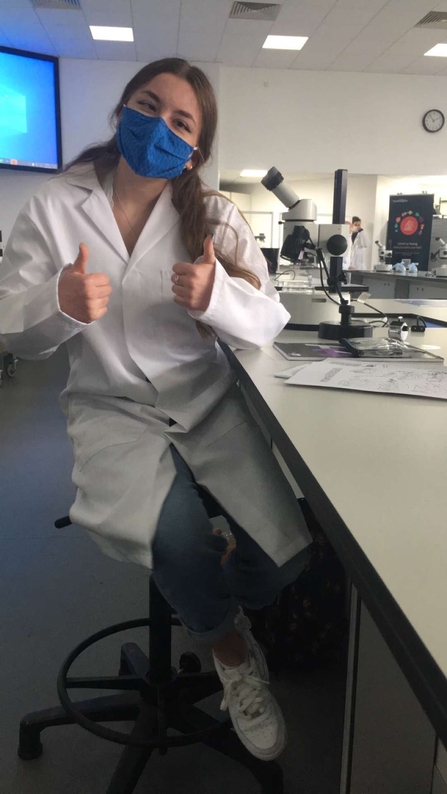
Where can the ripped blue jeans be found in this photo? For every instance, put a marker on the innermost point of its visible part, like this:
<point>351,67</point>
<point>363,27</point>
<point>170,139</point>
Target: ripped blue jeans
<point>187,565</point>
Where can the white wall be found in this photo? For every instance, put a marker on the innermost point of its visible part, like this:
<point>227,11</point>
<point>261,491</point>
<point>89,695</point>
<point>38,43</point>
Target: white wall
<point>320,121</point>
<point>298,121</point>
<point>89,92</point>
<point>16,187</point>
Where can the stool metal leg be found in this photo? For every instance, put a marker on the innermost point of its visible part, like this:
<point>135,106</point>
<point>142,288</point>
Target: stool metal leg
<point>134,759</point>
<point>160,636</point>
<point>267,773</point>
<point>102,709</point>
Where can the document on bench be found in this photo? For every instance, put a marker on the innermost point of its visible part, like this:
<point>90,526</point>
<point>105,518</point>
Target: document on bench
<point>383,378</point>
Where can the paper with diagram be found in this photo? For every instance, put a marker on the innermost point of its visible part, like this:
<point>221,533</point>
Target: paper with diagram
<point>371,377</point>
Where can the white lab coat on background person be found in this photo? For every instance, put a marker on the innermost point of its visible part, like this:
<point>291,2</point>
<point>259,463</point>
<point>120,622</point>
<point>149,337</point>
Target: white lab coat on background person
<point>144,363</point>
<point>358,249</point>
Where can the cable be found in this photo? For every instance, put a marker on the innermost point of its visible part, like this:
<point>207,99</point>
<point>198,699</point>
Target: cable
<point>374,308</point>
<point>382,314</point>
<point>284,272</point>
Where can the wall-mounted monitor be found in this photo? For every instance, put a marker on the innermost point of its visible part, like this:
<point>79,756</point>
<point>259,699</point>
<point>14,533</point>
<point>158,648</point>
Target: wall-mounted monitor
<point>30,130</point>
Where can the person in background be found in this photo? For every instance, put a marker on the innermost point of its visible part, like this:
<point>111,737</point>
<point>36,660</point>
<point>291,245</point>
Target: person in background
<point>359,244</point>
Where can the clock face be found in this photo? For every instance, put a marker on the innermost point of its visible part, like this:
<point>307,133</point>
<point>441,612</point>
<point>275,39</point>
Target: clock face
<point>433,121</point>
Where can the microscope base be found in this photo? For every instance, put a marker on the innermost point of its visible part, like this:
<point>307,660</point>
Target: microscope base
<point>337,331</point>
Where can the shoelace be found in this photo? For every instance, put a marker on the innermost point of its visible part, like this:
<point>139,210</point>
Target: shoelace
<point>246,688</point>
<point>242,622</point>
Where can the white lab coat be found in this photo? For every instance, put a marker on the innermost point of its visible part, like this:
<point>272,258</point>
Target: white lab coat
<point>144,363</point>
<point>358,248</point>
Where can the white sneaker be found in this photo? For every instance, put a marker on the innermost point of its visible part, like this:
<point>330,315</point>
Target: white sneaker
<point>254,712</point>
<point>242,625</point>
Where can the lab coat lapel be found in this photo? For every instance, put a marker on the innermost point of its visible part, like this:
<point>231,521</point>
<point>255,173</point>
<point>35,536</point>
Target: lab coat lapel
<point>98,210</point>
<point>161,220</point>
<point>96,206</point>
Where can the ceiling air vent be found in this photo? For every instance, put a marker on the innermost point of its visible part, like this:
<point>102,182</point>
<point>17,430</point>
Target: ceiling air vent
<point>265,12</point>
<point>435,19</point>
<point>63,5</point>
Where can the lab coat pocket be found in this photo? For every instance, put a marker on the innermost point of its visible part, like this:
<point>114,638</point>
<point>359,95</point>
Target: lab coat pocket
<point>93,430</point>
<point>229,413</point>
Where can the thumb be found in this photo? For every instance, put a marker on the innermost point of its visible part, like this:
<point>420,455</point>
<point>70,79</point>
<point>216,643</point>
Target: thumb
<point>80,263</point>
<point>208,251</point>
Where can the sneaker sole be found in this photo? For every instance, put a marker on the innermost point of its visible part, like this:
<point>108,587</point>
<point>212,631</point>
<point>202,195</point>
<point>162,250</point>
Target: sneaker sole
<point>273,752</point>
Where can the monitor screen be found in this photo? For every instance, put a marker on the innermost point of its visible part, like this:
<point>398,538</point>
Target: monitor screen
<point>30,137</point>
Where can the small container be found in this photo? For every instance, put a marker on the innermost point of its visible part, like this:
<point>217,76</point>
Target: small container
<point>398,329</point>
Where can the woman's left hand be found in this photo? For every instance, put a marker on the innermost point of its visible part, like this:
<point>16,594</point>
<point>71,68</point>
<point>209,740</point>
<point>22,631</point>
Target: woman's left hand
<point>193,284</point>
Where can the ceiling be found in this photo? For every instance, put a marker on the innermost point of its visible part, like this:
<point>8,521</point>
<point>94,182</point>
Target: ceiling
<point>344,35</point>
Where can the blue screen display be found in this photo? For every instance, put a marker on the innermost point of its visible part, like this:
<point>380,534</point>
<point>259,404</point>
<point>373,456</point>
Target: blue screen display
<point>28,115</point>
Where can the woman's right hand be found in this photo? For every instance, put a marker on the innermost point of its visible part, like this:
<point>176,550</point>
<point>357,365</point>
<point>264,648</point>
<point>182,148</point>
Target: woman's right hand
<point>83,296</point>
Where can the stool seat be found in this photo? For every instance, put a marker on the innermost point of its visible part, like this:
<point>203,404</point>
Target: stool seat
<point>151,693</point>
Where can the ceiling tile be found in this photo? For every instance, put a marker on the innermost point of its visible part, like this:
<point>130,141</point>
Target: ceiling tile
<point>316,60</point>
<point>421,7</point>
<point>121,18</point>
<point>395,20</point>
<point>73,47</point>
<point>202,25</point>
<point>25,31</point>
<point>296,19</point>
<point>116,50</point>
<point>114,6</point>
<point>395,64</point>
<point>156,25</point>
<point>376,4</point>
<point>339,17</point>
<point>275,59</point>
<point>425,66</point>
<point>326,35</point>
<point>23,4</point>
<point>324,47</point>
<point>442,72</point>
<point>370,48</point>
<point>32,41</point>
<point>242,41</point>
<point>51,17</point>
<point>4,41</point>
<point>350,63</point>
<point>416,42</point>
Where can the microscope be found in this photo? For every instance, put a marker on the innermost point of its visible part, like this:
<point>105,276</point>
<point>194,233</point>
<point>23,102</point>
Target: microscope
<point>441,253</point>
<point>385,259</point>
<point>303,234</point>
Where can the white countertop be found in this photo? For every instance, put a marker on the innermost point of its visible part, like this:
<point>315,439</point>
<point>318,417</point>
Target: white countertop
<point>382,462</point>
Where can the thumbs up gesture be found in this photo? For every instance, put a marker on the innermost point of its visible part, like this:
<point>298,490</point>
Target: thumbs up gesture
<point>192,285</point>
<point>83,296</point>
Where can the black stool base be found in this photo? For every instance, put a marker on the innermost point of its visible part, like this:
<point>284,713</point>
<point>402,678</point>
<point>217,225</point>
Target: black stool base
<point>155,697</point>
<point>179,710</point>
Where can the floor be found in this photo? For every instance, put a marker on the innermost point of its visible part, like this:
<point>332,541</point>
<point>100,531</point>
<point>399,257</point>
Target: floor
<point>56,588</point>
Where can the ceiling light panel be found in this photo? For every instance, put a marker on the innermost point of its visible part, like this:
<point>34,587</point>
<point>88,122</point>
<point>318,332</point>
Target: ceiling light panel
<point>285,42</point>
<point>439,51</point>
<point>104,33</point>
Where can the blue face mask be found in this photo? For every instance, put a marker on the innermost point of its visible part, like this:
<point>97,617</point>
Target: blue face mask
<point>149,147</point>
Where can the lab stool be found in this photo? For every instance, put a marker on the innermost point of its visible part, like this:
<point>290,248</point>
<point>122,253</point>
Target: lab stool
<point>152,694</point>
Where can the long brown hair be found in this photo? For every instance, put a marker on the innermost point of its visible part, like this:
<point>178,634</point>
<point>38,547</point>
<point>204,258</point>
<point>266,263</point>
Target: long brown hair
<point>188,189</point>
